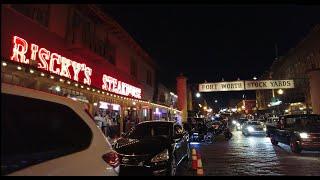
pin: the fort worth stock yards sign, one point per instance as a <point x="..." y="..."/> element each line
<point x="246" y="85"/>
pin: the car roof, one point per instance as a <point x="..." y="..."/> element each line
<point x="301" y="115"/>
<point x="158" y="121"/>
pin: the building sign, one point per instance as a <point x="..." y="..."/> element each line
<point x="246" y="85"/>
<point x="55" y="63"/>
<point x="222" y="86"/>
<point x="269" y="84"/>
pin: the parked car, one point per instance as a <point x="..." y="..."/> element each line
<point x="301" y="132"/>
<point x="153" y="148"/>
<point x="271" y="124"/>
<point x="48" y="135"/>
<point x="253" y="128"/>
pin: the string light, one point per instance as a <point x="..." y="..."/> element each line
<point x="103" y="92"/>
<point x="68" y="82"/>
<point x="31" y="71"/>
<point x="81" y="86"/>
<point x="42" y="74"/>
<point x="88" y="88"/>
<point x="76" y="85"/>
<point x="4" y="64"/>
<point x="52" y="77"/>
<point x="19" y="68"/>
<point x="61" y="80"/>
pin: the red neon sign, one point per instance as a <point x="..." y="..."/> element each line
<point x="57" y="64"/>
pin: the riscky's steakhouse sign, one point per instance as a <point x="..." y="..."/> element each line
<point x="62" y="66"/>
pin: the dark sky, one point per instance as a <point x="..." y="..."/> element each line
<point x="211" y="42"/>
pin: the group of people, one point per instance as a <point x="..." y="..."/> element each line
<point x="106" y="123"/>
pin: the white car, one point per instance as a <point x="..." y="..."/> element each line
<point x="48" y="135"/>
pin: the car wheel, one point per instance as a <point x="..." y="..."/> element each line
<point x="173" y="166"/>
<point x="294" y="146"/>
<point x="273" y="141"/>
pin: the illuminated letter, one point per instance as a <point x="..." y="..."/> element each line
<point x="20" y="49"/>
<point x="34" y="50"/>
<point x="87" y="74"/>
<point x="57" y="57"/>
<point x="44" y="56"/>
<point x="104" y="80"/>
<point x="77" y="67"/>
<point x="65" y="63"/>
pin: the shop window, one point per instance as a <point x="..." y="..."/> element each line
<point x="39" y="12"/>
<point x="149" y="78"/>
<point x="134" y="68"/>
<point x="34" y="131"/>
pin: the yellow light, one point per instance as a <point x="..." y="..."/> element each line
<point x="205" y="107"/>
<point x="52" y="77"/>
<point x="81" y="86"/>
<point x="98" y="91"/>
<point x="19" y="68"/>
<point x="88" y="88"/>
<point x="31" y="71"/>
<point x="4" y="64"/>
<point x="76" y="85"/>
<point x="93" y="90"/>
<point x="61" y="80"/>
<point x="68" y="82"/>
<point x="42" y="74"/>
<point x="103" y="92"/>
<point x="280" y="91"/>
<point x="107" y="94"/>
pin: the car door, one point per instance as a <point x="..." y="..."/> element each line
<point x="279" y="131"/>
<point x="179" y="145"/>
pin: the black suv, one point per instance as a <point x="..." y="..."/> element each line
<point x="153" y="148"/>
<point x="301" y="132"/>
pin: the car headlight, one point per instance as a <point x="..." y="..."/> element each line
<point x="304" y="135"/>
<point x="163" y="156"/>
<point x="234" y="122"/>
<point x="250" y="129"/>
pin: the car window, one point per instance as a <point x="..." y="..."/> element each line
<point x="34" y="131"/>
<point x="145" y="130"/>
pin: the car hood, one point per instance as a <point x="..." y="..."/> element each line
<point x="149" y="145"/>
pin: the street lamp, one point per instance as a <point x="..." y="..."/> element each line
<point x="216" y="101"/>
<point x="198" y="95"/>
<point x="280" y="91"/>
<point x="255" y="78"/>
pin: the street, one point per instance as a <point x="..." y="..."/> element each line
<point x="252" y="156"/>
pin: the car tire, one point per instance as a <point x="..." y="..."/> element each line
<point x="273" y="141"/>
<point x="172" y="169"/>
<point x="294" y="146"/>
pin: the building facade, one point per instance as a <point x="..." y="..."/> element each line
<point x="78" y="51"/>
<point x="294" y="65"/>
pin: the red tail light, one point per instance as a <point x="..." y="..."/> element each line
<point x="111" y="158"/>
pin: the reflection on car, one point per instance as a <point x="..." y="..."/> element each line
<point x="301" y="132"/>
<point x="153" y="148"/>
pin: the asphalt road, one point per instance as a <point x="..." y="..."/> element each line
<point x="252" y="156"/>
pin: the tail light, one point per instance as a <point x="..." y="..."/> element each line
<point x="111" y="158"/>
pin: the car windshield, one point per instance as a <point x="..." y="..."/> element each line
<point x="254" y="123"/>
<point x="242" y="120"/>
<point x="144" y="130"/>
<point x="308" y="122"/>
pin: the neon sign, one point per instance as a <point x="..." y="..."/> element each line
<point x="62" y="66"/>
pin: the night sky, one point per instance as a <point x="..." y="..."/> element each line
<point x="211" y="42"/>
